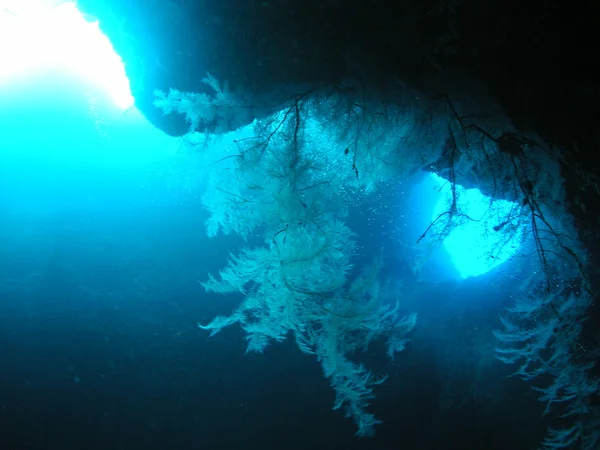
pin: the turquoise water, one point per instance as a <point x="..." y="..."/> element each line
<point x="102" y="245"/>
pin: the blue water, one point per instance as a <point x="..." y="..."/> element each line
<point x="102" y="244"/>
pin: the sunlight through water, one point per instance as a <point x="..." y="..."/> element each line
<point x="38" y="36"/>
<point x="476" y="246"/>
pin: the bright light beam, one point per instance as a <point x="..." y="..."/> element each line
<point x="38" y="36"/>
<point x="488" y="240"/>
